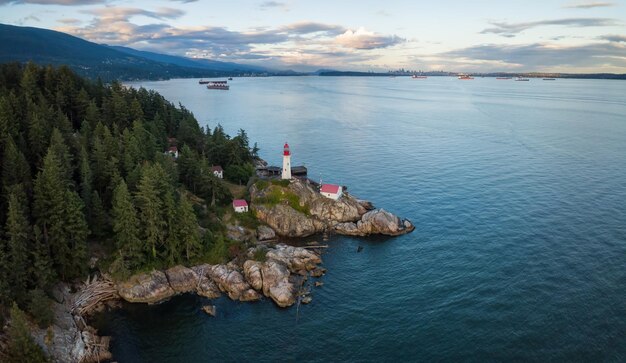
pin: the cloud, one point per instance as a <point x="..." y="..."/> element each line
<point x="70" y="21"/>
<point x="53" y="2"/>
<point x="268" y="5"/>
<point x="309" y="27"/>
<point x="123" y="14"/>
<point x="614" y="38"/>
<point x="540" y="56"/>
<point x="511" y="29"/>
<point x="363" y="39"/>
<point x="589" y="5"/>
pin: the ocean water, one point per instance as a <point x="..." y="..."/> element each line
<point x="518" y="193"/>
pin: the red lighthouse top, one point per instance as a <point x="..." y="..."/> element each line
<point x="286" y="150"/>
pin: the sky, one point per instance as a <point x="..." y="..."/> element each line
<point x="578" y="36"/>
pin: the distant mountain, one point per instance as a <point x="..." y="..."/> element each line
<point x="43" y="46"/>
<point x="191" y="62"/>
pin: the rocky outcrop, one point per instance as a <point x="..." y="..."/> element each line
<point x="182" y="279"/>
<point x="146" y="288"/>
<point x="249" y="282"/>
<point x="265" y="233"/>
<point x="315" y="213"/>
<point x="378" y="221"/>
<point x="252" y="271"/>
<point x="276" y="283"/>
<point x="288" y="222"/>
<point x="295" y="258"/>
<point x="228" y="280"/>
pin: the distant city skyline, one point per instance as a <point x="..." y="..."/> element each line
<point x="484" y="35"/>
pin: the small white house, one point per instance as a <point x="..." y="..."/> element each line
<point x="331" y="191"/>
<point x="172" y="151"/>
<point x="240" y="206"/>
<point x="218" y="171"/>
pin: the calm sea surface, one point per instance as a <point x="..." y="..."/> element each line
<point x="518" y="192"/>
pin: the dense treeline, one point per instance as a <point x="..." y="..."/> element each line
<point x="84" y="168"/>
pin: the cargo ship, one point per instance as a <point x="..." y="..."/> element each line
<point x="218" y="85"/>
<point x="522" y="79"/>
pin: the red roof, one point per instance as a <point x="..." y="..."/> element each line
<point x="216" y="168"/>
<point x="239" y="203"/>
<point x="330" y="188"/>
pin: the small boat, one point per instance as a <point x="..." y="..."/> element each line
<point x="549" y="79"/>
<point x="465" y="77"/>
<point x="415" y="76"/>
<point x="522" y="79"/>
<point x="203" y="81"/>
<point x="230" y="78"/>
<point x="218" y="85"/>
<point x="502" y="78"/>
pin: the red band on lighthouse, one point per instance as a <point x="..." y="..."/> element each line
<point x="286" y="149"/>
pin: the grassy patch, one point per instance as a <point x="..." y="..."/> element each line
<point x="247" y="220"/>
<point x="277" y="195"/>
<point x="260" y="255"/>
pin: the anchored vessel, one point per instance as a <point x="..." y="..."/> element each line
<point x="218" y="85"/>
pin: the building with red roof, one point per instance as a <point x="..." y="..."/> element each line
<point x="331" y="191"/>
<point x="172" y="151"/>
<point x="240" y="206"/>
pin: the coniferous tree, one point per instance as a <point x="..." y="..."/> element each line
<point x="187" y="228"/>
<point x="18" y="231"/>
<point x="21" y="346"/>
<point x="150" y="211"/>
<point x="43" y="274"/>
<point x="15" y="168"/>
<point x="126" y="225"/>
<point x="63" y="155"/>
<point x="86" y="180"/>
<point x="75" y="233"/>
<point x="99" y="218"/>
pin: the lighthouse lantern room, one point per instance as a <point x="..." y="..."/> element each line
<point x="286" y="162"/>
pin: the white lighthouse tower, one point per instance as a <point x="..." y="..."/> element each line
<point x="286" y="162"/>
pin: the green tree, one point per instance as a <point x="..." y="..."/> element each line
<point x="150" y="210"/>
<point x="126" y="225"/>
<point x="187" y="228"/>
<point x="18" y="231"/>
<point x="40" y="308"/>
<point x="21" y="346"/>
<point x="99" y="219"/>
<point x="15" y="168"/>
<point x="75" y="232"/>
<point x="43" y="274"/>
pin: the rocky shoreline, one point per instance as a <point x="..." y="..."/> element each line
<point x="278" y="272"/>
<point x="303" y="211"/>
<point x="244" y="279"/>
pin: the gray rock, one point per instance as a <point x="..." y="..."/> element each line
<point x="146" y="288"/>
<point x="229" y="280"/>
<point x="209" y="309"/>
<point x="252" y="271"/>
<point x="377" y="221"/>
<point x="182" y="279"/>
<point x="265" y="233"/>
<point x="276" y="283"/>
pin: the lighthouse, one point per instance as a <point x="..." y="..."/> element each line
<point x="286" y="162"/>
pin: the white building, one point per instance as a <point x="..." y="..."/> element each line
<point x="286" y="162"/>
<point x="331" y="191"/>
<point x="240" y="206"/>
<point x="218" y="171"/>
<point x="172" y="151"/>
